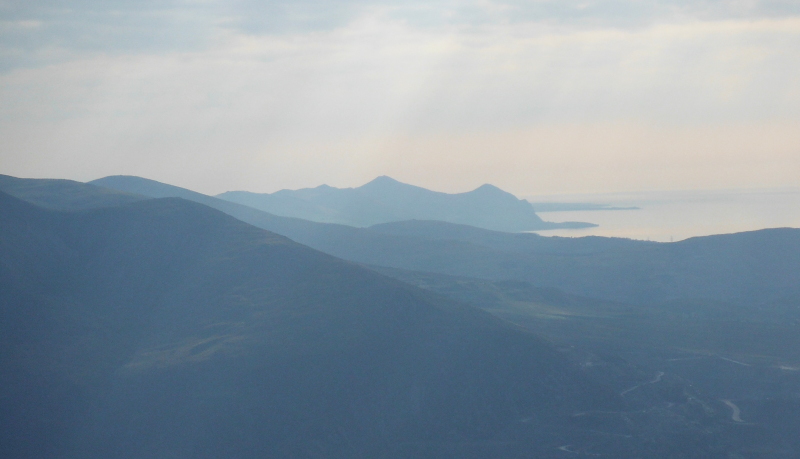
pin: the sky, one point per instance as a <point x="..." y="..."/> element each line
<point x="538" y="97"/>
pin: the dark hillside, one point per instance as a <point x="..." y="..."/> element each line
<point x="165" y="328"/>
<point x="65" y="194"/>
<point x="744" y="355"/>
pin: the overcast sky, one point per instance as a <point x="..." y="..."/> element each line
<point x="537" y="97"/>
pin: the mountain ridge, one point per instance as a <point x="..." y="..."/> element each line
<point x="385" y="199"/>
<point x="65" y="194"/>
<point x="610" y="269"/>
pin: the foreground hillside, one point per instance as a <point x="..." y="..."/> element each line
<point x="744" y="356"/>
<point x="164" y="328"/>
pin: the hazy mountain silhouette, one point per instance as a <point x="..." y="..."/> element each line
<point x="753" y="267"/>
<point x="387" y="200"/>
<point x="65" y="194"/>
<point x="164" y="327"/>
<point x="383" y="240"/>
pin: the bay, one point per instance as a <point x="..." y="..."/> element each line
<point x="666" y="216"/>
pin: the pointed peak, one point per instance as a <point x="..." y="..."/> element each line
<point x="382" y="179"/>
<point x="383" y="182"/>
<point x="489" y="191"/>
<point x="488" y="187"/>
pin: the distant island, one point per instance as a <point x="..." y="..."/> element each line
<point x="576" y="206"/>
<point x="385" y="200"/>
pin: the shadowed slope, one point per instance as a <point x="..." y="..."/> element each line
<point x="65" y="194"/>
<point x="167" y="328"/>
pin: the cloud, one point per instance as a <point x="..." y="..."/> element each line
<point x="46" y="31"/>
<point x="287" y="102"/>
<point x="269" y="95"/>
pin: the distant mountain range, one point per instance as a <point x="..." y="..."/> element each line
<point x="65" y="194"/>
<point x="753" y="267"/>
<point x="387" y="200"/>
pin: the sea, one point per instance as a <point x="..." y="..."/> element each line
<point x="667" y="216"/>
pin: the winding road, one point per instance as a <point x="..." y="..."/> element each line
<point x="734" y="361"/>
<point x="736" y="415"/>
<point x="655" y="380"/>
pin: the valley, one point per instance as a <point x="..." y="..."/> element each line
<point x="494" y="229"/>
<point x="145" y="300"/>
<point x="747" y="364"/>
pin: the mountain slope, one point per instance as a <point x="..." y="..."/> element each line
<point x="386" y="200"/>
<point x="165" y="328"/>
<point x="754" y="268"/>
<point x="737" y="353"/>
<point x="507" y="242"/>
<point x="65" y="194"/>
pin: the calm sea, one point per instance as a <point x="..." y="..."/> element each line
<point x="675" y="215"/>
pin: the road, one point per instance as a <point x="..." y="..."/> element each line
<point x="736" y="415"/>
<point x="655" y="380"/>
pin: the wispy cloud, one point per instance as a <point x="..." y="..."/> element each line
<point x="179" y="25"/>
<point x="206" y="89"/>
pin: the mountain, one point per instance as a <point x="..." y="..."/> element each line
<point x="721" y="311"/>
<point x="65" y="194"/>
<point x="164" y="328"/>
<point x="755" y="267"/>
<point x="387" y="200"/>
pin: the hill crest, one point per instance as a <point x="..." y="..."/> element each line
<point x="385" y="200"/>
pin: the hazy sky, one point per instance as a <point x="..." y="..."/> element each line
<point x="537" y="97"/>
